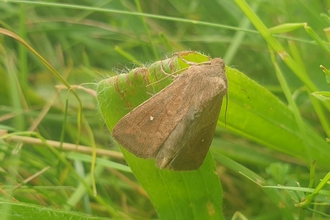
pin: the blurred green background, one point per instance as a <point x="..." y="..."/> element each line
<point x="88" y="41"/>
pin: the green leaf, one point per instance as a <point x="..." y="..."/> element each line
<point x="175" y="195"/>
<point x="255" y="113"/>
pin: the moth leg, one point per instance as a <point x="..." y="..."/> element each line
<point x="165" y="73"/>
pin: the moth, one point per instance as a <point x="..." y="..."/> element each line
<point x="176" y="126"/>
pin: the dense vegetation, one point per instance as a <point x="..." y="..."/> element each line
<point x="276" y="124"/>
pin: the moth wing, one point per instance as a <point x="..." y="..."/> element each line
<point x="189" y="151"/>
<point x="194" y="149"/>
<point x="189" y="142"/>
<point x="144" y="130"/>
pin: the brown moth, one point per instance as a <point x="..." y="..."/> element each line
<point x="176" y="125"/>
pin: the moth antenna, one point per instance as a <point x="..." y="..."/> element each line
<point x="168" y="74"/>
<point x="188" y="62"/>
<point x="165" y="73"/>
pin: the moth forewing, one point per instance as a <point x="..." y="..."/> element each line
<point x="142" y="136"/>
